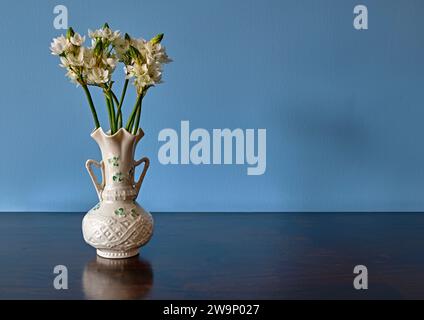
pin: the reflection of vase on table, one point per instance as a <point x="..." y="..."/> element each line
<point x="107" y="279"/>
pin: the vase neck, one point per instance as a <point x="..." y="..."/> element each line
<point x="118" y="164"/>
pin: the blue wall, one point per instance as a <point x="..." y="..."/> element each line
<point x="343" y="108"/>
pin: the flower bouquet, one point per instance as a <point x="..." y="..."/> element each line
<point x="93" y="66"/>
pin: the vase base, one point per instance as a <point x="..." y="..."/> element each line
<point x="113" y="254"/>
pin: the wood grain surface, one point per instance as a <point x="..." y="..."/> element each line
<point x="220" y="256"/>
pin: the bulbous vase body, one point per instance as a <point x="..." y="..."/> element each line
<point x="117" y="226"/>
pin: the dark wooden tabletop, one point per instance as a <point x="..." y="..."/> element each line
<point x="220" y="256"/>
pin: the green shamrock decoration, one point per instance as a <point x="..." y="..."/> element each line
<point x="120" y="212"/>
<point x="114" y="161"/>
<point x="118" y="177"/>
<point x="134" y="213"/>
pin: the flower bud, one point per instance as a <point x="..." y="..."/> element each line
<point x="127" y="37"/>
<point x="134" y="53"/>
<point x="98" y="49"/>
<point x="70" y="33"/>
<point x="157" y="39"/>
<point x="106" y="26"/>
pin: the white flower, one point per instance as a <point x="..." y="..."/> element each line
<point x="144" y="75"/>
<point x="106" y="34"/>
<point x="95" y="34"/>
<point x="76" y="58"/>
<point x="146" y="68"/>
<point x="59" y="45"/>
<point x="111" y="62"/>
<point x="72" y="76"/>
<point x="98" y="76"/>
<point x="139" y="44"/>
<point x="73" y="59"/>
<point x="89" y="58"/>
<point x="64" y="62"/>
<point x="156" y="52"/>
<point x="77" y="40"/>
<point x="121" y="46"/>
<point x="127" y="71"/>
<point x="160" y="54"/>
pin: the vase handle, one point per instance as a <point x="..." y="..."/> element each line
<point x="99" y="186"/>
<point x="146" y="162"/>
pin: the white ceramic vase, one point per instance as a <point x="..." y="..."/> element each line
<point x="117" y="226"/>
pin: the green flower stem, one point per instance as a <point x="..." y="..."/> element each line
<point x="137" y="117"/>
<point x="110" y="113"/>
<point x="113" y="110"/>
<point x="133" y="113"/>
<point x="121" y="101"/>
<point x="113" y="96"/>
<point x="92" y="108"/>
<point x="115" y="101"/>
<point x="131" y="123"/>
